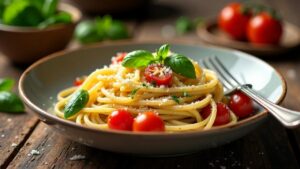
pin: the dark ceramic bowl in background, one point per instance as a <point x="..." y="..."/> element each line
<point x="24" y="45"/>
<point x="108" y="6"/>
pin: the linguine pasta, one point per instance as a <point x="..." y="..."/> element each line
<point x="117" y="87"/>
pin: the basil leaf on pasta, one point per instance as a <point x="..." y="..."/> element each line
<point x="163" y="51"/>
<point x="76" y="103"/>
<point x="181" y="65"/>
<point x="137" y="59"/>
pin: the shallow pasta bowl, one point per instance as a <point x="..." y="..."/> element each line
<point x="41" y="82"/>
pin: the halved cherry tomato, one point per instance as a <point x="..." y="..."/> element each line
<point x="264" y="29"/>
<point x="241" y="104"/>
<point x="79" y="80"/>
<point x="118" y="58"/>
<point x="233" y="21"/>
<point x="223" y="116"/>
<point x="120" y="120"/>
<point x="158" y="74"/>
<point x="148" y="121"/>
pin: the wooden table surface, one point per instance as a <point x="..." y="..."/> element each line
<point x="269" y="146"/>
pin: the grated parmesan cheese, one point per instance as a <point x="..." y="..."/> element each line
<point x="34" y="152"/>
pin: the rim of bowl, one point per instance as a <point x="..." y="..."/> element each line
<point x="56" y="119"/>
<point x="75" y="12"/>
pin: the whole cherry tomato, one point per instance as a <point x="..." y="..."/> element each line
<point x="120" y="120"/>
<point x="148" y="121"/>
<point x="234" y="21"/>
<point x="264" y="29"/>
<point x="158" y="74"/>
<point x="118" y="58"/>
<point x="223" y="115"/>
<point x="241" y="104"/>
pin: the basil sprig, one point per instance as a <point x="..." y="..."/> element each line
<point x="76" y="103"/>
<point x="178" y="63"/>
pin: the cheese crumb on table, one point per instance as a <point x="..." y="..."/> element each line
<point x="77" y="157"/>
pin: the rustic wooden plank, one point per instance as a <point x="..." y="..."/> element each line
<point x="259" y="149"/>
<point x="14" y="128"/>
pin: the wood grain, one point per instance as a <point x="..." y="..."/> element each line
<point x="14" y="128"/>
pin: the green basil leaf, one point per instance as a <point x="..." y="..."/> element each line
<point x="6" y="84"/>
<point x="10" y="102"/>
<point x="181" y="65"/>
<point x="61" y="17"/>
<point x="163" y="51"/>
<point x="49" y="7"/>
<point x="137" y="59"/>
<point x="86" y="32"/>
<point x="117" y="30"/>
<point x="183" y="25"/>
<point x="22" y="13"/>
<point x="77" y="102"/>
<point x="133" y="92"/>
<point x="176" y="99"/>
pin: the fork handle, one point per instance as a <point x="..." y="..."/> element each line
<point x="288" y="118"/>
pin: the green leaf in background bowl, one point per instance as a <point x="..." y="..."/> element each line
<point x="49" y="7"/>
<point x="61" y="17"/>
<point x="10" y="102"/>
<point x="22" y="13"/>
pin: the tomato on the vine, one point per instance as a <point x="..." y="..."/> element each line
<point x="148" y="121"/>
<point x="118" y="58"/>
<point x="241" y="105"/>
<point x="234" y="21"/>
<point x="120" y="120"/>
<point x="158" y="74"/>
<point x="223" y="115"/>
<point x="265" y="29"/>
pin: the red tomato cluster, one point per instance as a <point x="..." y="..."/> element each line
<point x="123" y="120"/>
<point x="260" y="28"/>
<point x="240" y="104"/>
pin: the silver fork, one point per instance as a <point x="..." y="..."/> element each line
<point x="288" y="118"/>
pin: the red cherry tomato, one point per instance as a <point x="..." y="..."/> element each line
<point x="79" y="80"/>
<point x="158" y="74"/>
<point x="118" y="58"/>
<point x="148" y="121"/>
<point x="233" y="21"/>
<point x="264" y="29"/>
<point x="241" y="104"/>
<point x="223" y="116"/>
<point x="120" y="120"/>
